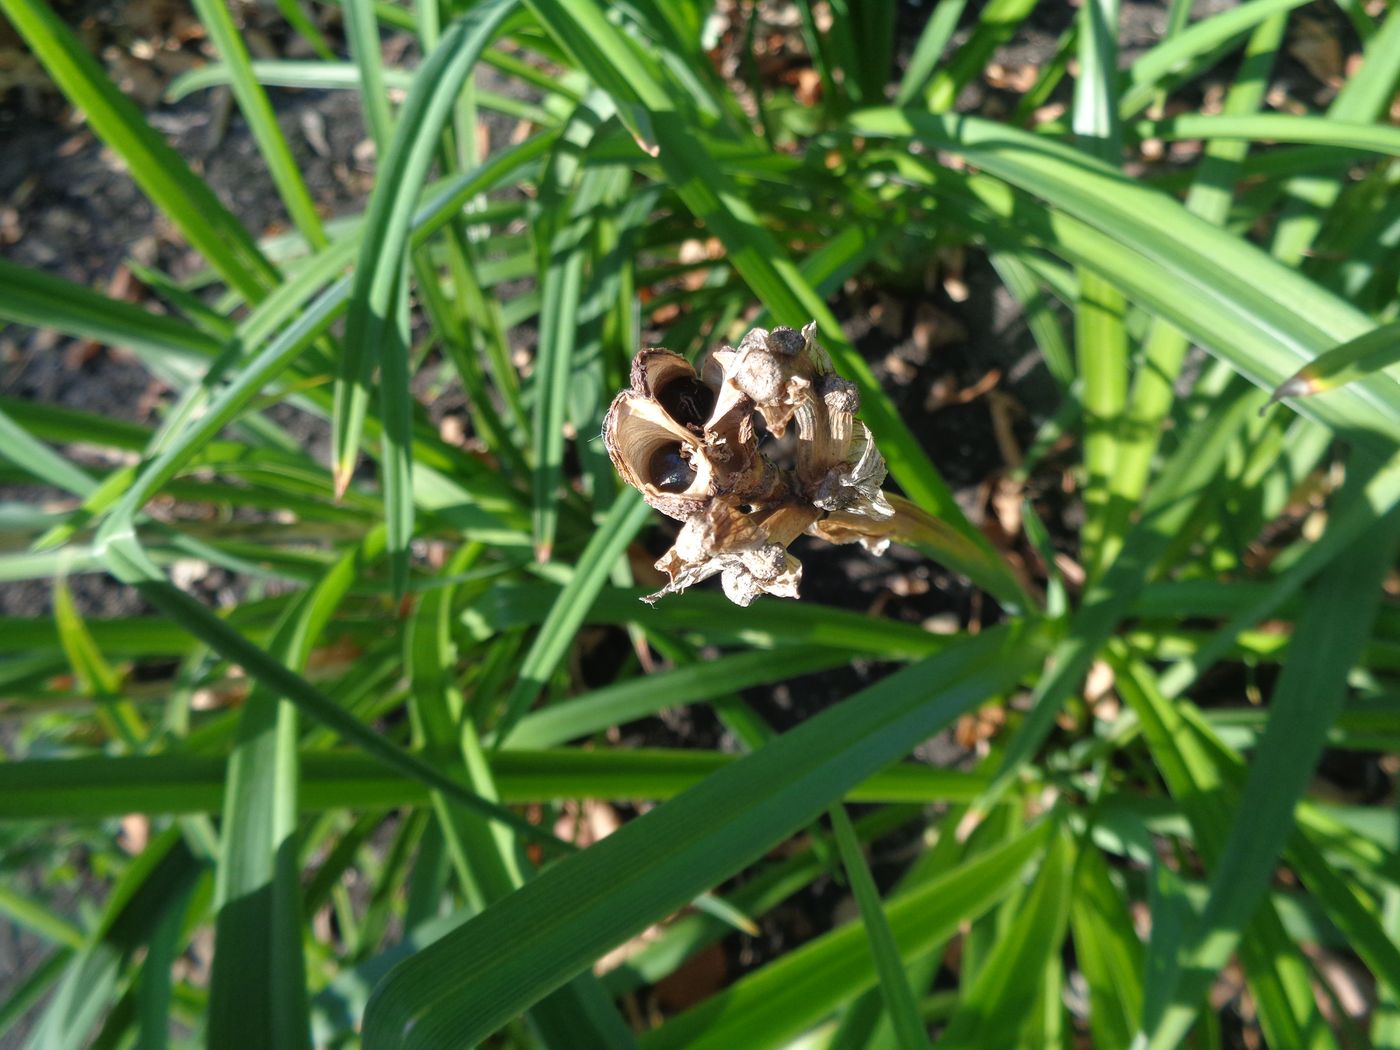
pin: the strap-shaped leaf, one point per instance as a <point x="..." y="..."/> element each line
<point x="1263" y="318"/>
<point x="995" y="1008"/>
<point x="258" y="981"/>
<point x="577" y="195"/>
<point x="1164" y="347"/>
<point x="129" y="563"/>
<point x="898" y="995"/>
<point x="772" y="1006"/>
<point x="1100" y="336"/>
<point x="372" y="335"/>
<point x="1332" y="629"/>
<point x="631" y="699"/>
<point x="1274" y="127"/>
<point x="257" y="110"/>
<point x="472" y="981"/>
<point x="90" y="788"/>
<point x="1273" y="963"/>
<point x="1205" y="40"/>
<point x="1368" y="353"/>
<point x="1107" y="948"/>
<point x="627" y="514"/>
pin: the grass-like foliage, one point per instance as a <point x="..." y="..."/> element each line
<point x="355" y="783"/>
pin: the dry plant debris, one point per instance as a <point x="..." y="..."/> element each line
<point x="688" y="442"/>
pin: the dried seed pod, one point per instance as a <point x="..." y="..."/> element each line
<point x="773" y="371"/>
<point x="687" y="441"/>
<point x="669" y="437"/>
<point x="726" y="542"/>
<point x="657" y="456"/>
<point x="669" y="380"/>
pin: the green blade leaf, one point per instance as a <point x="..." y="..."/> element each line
<point x="762" y="625"/>
<point x="1100" y="337"/>
<point x="95" y="676"/>
<point x="396" y="406"/>
<point x="371" y="332"/>
<point x="94" y="788"/>
<point x="928" y="52"/>
<point x="39" y="919"/>
<point x="1107" y="948"/>
<point x="257" y="111"/>
<point x="576" y="197"/>
<point x="627" y="514"/>
<point x="1360" y="357"/>
<point x="774" y="1005"/>
<point x="330" y="76"/>
<point x="996" y="24"/>
<point x="1334" y="625"/>
<point x="157" y="881"/>
<point x="994" y="1009"/>
<point x="1274" y="127"/>
<point x="1165" y="346"/>
<point x="1363" y="98"/>
<point x="1274" y="966"/>
<point x="1264" y="319"/>
<point x="1037" y="305"/>
<point x="45" y="301"/>
<point x="628" y="700"/>
<point x="894" y="982"/>
<point x="35" y="458"/>
<point x="271" y="362"/>
<point x="1171" y="504"/>
<point x="258" y="982"/>
<point x="1182" y="52"/>
<point x="475" y="979"/>
<point x="362" y="32"/>
<point x="129" y="563"/>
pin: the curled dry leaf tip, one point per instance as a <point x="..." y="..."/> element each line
<point x="687" y="440"/>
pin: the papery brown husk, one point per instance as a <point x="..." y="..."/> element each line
<point x="740" y="511"/>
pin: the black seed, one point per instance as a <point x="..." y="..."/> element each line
<point x="668" y="469"/>
<point x="687" y="400"/>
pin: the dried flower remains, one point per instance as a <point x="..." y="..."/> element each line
<point x="688" y="442"/>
